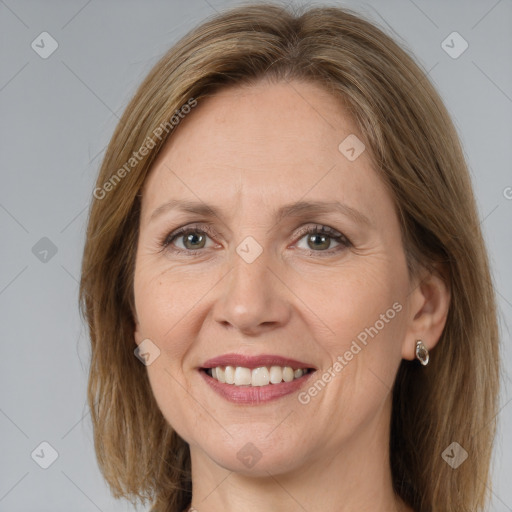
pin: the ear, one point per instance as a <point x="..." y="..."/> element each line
<point x="428" y="303"/>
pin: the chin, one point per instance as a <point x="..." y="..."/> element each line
<point x="256" y="456"/>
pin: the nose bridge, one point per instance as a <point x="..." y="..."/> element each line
<point x="252" y="296"/>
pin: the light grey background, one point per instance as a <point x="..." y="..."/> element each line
<point x="57" y="116"/>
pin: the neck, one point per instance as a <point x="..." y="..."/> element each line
<point x="356" y="478"/>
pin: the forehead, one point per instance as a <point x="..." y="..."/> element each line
<point x="270" y="143"/>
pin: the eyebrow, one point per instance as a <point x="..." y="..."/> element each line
<point x="297" y="209"/>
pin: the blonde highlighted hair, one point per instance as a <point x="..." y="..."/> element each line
<point x="415" y="149"/>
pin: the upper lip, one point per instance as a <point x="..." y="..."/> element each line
<point x="255" y="361"/>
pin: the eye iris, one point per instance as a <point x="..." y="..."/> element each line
<point x="191" y="237"/>
<point x="322" y="237"/>
<point x="195" y="239"/>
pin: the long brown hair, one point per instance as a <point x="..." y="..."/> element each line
<point x="415" y="148"/>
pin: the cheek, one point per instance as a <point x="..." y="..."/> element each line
<point x="362" y="324"/>
<point x="166" y="302"/>
<point x="355" y="300"/>
<point x="170" y="310"/>
<point x="174" y="398"/>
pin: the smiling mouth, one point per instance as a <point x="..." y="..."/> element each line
<point x="256" y="377"/>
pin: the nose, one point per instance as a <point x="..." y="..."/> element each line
<point x="253" y="297"/>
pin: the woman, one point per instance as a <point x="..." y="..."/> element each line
<point x="285" y="281"/>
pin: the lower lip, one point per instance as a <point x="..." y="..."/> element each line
<point x="254" y="395"/>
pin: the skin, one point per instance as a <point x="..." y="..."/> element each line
<point x="248" y="151"/>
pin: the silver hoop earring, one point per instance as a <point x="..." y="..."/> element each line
<point x="421" y="352"/>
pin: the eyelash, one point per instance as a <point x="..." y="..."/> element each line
<point x="206" y="230"/>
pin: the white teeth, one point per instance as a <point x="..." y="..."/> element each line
<point x="276" y="374"/>
<point x="287" y="374"/>
<point x="262" y="376"/>
<point x="242" y="376"/>
<point x="230" y="374"/>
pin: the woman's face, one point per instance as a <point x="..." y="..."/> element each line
<point x="255" y="290"/>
